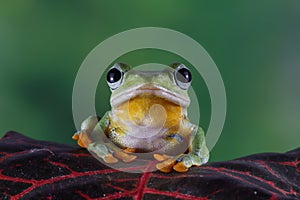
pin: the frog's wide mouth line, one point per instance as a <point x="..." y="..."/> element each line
<point x="149" y="89"/>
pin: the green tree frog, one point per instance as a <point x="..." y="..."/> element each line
<point x="148" y="114"/>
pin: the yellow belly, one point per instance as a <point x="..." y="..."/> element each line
<point x="149" y="110"/>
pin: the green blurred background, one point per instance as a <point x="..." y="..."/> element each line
<point x="255" y="44"/>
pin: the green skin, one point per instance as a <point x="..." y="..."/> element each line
<point x="136" y="83"/>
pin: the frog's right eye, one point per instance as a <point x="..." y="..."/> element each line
<point x="114" y="77"/>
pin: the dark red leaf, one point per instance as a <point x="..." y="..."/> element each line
<point x="31" y="169"/>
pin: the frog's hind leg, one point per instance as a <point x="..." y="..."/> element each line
<point x="197" y="156"/>
<point x="100" y="151"/>
<point x="109" y="153"/>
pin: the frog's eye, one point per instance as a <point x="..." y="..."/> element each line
<point x="114" y="77"/>
<point x="183" y="76"/>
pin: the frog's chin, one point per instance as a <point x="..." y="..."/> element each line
<point x="152" y="90"/>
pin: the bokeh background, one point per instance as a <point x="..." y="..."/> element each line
<point x="255" y="44"/>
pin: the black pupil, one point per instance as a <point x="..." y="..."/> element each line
<point x="184" y="75"/>
<point x="113" y="75"/>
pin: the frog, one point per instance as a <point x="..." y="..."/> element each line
<point x="148" y="115"/>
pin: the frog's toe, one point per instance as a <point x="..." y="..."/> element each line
<point x="167" y="165"/>
<point x="75" y="136"/>
<point x="180" y="167"/>
<point x="129" y="150"/>
<point x="82" y="138"/>
<point x="124" y="156"/>
<point x="129" y="158"/>
<point x="109" y="158"/>
<point x="185" y="161"/>
<point x="160" y="157"/>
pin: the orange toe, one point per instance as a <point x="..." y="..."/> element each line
<point x="83" y="139"/>
<point x="129" y="158"/>
<point x="75" y="136"/>
<point x="166" y="166"/>
<point x="165" y="169"/>
<point x="80" y="143"/>
<point x="124" y="156"/>
<point x="179" y="167"/>
<point x="129" y="150"/>
<point x="160" y="157"/>
<point x="110" y="159"/>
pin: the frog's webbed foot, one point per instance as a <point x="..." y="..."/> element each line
<point x="109" y="155"/>
<point x="82" y="138"/>
<point x="180" y="163"/>
<point x="166" y="162"/>
<point x="100" y="151"/>
<point x="91" y="137"/>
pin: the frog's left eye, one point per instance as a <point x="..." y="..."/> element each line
<point x="183" y="76"/>
<point x="114" y="77"/>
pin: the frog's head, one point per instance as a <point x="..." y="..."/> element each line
<point x="149" y="98"/>
<point x="170" y="84"/>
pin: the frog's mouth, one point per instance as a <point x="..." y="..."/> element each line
<point x="149" y="89"/>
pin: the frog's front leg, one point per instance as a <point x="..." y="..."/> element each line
<point x="198" y="155"/>
<point x="92" y="137"/>
<point x="87" y="127"/>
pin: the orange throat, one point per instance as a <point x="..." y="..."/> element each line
<point x="149" y="110"/>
